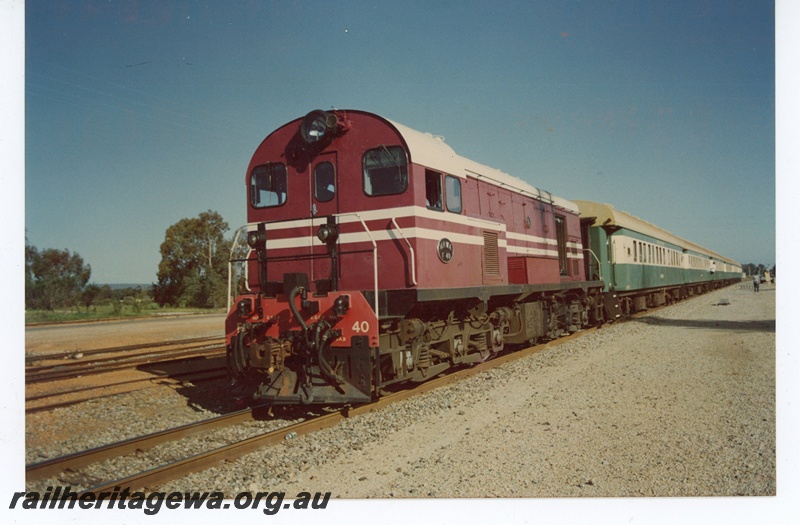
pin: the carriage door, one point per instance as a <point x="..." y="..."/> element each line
<point x="324" y="203"/>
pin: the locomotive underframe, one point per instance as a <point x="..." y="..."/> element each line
<point x="439" y="335"/>
<point x="459" y="327"/>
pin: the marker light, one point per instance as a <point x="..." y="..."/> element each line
<point x="327" y="233"/>
<point x="341" y="305"/>
<point x="244" y="307"/>
<point x="257" y="239"/>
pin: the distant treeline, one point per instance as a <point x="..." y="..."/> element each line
<point x="192" y="273"/>
<point x="59" y="279"/>
<point x="757" y="269"/>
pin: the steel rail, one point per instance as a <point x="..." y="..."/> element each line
<point x="57" y="465"/>
<point x="111" y="364"/>
<point x="82" y="389"/>
<point x="111" y="349"/>
<point x="119" y="355"/>
<point x="37" y="403"/>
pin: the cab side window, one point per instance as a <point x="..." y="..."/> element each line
<point x="433" y="190"/>
<point x="452" y="191"/>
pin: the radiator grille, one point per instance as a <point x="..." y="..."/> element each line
<point x="491" y="255"/>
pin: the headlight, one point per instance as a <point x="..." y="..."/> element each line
<point x="317" y="125"/>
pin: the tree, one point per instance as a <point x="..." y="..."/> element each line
<point x="31" y="255"/>
<point x="753" y="269"/>
<point x="89" y="295"/>
<point x="194" y="258"/>
<point x="54" y="278"/>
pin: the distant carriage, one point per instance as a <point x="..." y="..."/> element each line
<point x="646" y="266"/>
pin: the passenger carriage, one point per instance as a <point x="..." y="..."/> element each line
<point x="644" y="265"/>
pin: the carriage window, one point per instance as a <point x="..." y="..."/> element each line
<point x="433" y="190"/>
<point x="324" y="182"/>
<point x="385" y="171"/>
<point x="268" y="185"/>
<point x="452" y="191"/>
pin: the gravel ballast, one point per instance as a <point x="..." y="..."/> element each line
<point x="680" y="402"/>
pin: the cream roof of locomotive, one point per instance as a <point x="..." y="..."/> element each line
<point x="432" y="152"/>
<point x="607" y="215"/>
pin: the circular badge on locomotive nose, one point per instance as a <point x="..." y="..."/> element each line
<point x="445" y="250"/>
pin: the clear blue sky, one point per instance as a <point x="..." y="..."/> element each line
<point x="139" y="114"/>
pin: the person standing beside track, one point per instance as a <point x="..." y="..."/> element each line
<point x="756" y="282"/>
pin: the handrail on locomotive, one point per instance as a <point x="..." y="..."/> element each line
<point x="247" y="227"/>
<point x="411" y="249"/>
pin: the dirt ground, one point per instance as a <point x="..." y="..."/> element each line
<point x="74" y="337"/>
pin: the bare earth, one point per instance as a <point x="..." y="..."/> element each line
<point x="69" y="337"/>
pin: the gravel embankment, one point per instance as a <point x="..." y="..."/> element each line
<point x="678" y="403"/>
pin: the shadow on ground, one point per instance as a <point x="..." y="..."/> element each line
<point x="736" y="326"/>
<point x="205" y="384"/>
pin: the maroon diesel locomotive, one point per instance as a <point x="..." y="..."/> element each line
<point x="377" y="255"/>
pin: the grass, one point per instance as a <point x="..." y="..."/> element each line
<point x="118" y="310"/>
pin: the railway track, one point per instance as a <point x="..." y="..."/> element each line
<point x="58" y="381"/>
<point x="160" y="474"/>
<point x="77" y="460"/>
<point x="124" y="348"/>
<point x="62" y="398"/>
<point x="118" y="358"/>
